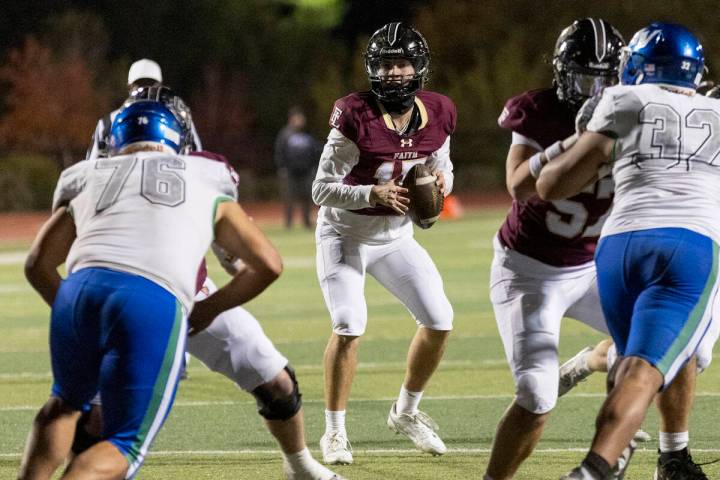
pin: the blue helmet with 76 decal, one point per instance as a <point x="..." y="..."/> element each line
<point x="147" y="125"/>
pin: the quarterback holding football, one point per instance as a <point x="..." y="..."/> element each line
<point x="375" y="138"/>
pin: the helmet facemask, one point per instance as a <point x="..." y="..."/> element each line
<point x="576" y="84"/>
<point x="166" y="96"/>
<point x="394" y="87"/>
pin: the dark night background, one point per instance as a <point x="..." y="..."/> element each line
<point x="241" y="64"/>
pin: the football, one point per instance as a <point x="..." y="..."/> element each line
<point x="426" y="201"/>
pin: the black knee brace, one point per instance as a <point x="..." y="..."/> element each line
<point x="83" y="439"/>
<point x="278" y="408"/>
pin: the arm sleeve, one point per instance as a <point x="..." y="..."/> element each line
<point x="440" y="160"/>
<point x="520" y="139"/>
<point x="70" y="184"/>
<point x="338" y="157"/>
<point x="228" y="184"/>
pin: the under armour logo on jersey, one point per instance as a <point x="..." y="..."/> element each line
<point x="335" y="117"/>
<point x="406" y="142"/>
<point x="645" y="37"/>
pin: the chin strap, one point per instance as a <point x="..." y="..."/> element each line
<point x="398" y="106"/>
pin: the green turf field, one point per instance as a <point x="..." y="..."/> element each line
<point x="214" y="432"/>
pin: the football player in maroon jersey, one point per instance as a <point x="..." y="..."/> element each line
<point x="375" y="138"/>
<point x="543" y="268"/>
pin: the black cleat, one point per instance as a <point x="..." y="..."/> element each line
<point x="678" y="466"/>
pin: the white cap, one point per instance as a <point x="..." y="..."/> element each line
<point x="144" y="68"/>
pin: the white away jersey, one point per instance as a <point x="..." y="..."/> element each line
<point x="666" y="158"/>
<point x="148" y="213"/>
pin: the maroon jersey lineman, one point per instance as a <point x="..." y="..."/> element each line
<point x="202" y="271"/>
<point x="386" y="154"/>
<point x="560" y="233"/>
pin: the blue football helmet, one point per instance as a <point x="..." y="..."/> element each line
<point x="663" y="53"/>
<point x="147" y="121"/>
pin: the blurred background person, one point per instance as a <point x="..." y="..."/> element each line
<point x="296" y="157"/>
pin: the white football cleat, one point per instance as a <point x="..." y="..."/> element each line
<point x="574" y="371"/>
<point x="313" y="471"/>
<point x="419" y="428"/>
<point x="578" y="473"/>
<point x="336" y="448"/>
<point x="642" y="436"/>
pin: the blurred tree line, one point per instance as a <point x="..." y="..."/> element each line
<point x="241" y="64"/>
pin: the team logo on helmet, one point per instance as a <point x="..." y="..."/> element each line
<point x="147" y="122"/>
<point x="664" y="53"/>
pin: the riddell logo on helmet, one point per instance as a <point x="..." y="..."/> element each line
<point x="391" y="51"/>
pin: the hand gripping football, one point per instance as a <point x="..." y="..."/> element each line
<point x="426" y="201"/>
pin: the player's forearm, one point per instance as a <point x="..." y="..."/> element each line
<point x="520" y="184"/>
<point x="440" y="160"/>
<point x="48" y="252"/>
<point x="525" y="164"/>
<point x="573" y="170"/>
<point x="243" y="287"/>
<point x="46" y="283"/>
<point x="338" y="195"/>
<point x="449" y="182"/>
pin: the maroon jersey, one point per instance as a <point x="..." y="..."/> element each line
<point x="202" y="271"/>
<point x="562" y="232"/>
<point x="386" y="154"/>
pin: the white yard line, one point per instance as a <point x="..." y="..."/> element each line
<point x="371" y="451"/>
<point x="218" y="403"/>
<point x="13" y="258"/>
<point x="8" y="288"/>
<point x="308" y="367"/>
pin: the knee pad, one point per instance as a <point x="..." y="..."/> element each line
<point x="272" y="407"/>
<point x="346" y="321"/>
<point x="536" y="396"/>
<point x="83" y="438"/>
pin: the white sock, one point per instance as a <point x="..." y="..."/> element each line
<point x="334" y="421"/>
<point x="673" y="442"/>
<point x="299" y="461"/>
<point x="408" y="401"/>
<point x="487" y="477"/>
